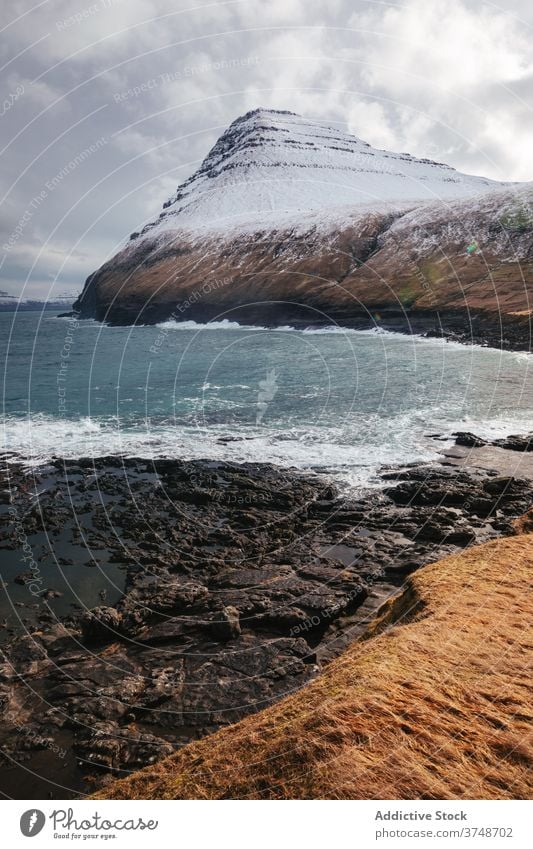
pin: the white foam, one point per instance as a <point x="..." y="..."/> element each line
<point x="340" y="451"/>
<point x="224" y="324"/>
<point x="334" y="329"/>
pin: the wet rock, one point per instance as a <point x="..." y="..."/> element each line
<point x="225" y="625"/>
<point x="500" y="485"/>
<point x="60" y="641"/>
<point x="460" y="537"/>
<point x="516" y="442"/>
<point x="51" y="593"/>
<point x="108" y="746"/>
<point x="168" y="631"/>
<point x="25" y="657"/>
<point x="229" y="599"/>
<point x="282" y="620"/>
<point x="26" y="578"/>
<point x="101" y="625"/>
<point x="175" y="596"/>
<point x="469" y="440"/>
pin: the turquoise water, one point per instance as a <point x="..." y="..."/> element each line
<point x="342" y="402"/>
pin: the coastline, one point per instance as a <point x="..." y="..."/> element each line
<point x="476" y="328"/>
<point x="240" y="583"/>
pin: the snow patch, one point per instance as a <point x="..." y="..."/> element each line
<point x="272" y="168"/>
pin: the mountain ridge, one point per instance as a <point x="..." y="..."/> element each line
<point x="264" y="150"/>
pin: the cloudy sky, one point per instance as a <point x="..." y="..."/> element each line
<point x="135" y="92"/>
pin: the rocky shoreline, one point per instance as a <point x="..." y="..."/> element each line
<point x="185" y="595"/>
<point x="480" y="327"/>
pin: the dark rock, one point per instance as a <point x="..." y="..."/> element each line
<point x="470" y="440"/>
<point x="460" y="537"/>
<point x="168" y="631"/>
<point x="25" y="656"/>
<point x="102" y="624"/>
<point x="282" y="620"/>
<point x="26" y="578"/>
<point x="51" y="593"/>
<point x="108" y="746"/>
<point x="500" y="485"/>
<point x="225" y="625"/>
<point x="228" y="599"/>
<point x="516" y="442"/>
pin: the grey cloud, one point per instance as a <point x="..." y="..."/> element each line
<point x="159" y="82"/>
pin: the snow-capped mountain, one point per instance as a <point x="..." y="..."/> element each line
<point x="269" y="163"/>
<point x="289" y="220"/>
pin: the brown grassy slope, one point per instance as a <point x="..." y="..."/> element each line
<point x="438" y="707"/>
<point x="415" y="261"/>
<point x="321" y="276"/>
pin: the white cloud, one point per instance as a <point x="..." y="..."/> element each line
<point x="444" y="45"/>
<point x="440" y="65"/>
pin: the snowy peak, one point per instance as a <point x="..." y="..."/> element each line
<point x="271" y="163"/>
<point x="271" y="134"/>
<point x="276" y="138"/>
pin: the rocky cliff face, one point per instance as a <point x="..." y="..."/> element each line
<point x="291" y="221"/>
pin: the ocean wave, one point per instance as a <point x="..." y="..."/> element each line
<point x="335" y="329"/>
<point x="224" y="324"/>
<point x="348" y="452"/>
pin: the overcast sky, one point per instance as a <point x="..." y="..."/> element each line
<point x="108" y="105"/>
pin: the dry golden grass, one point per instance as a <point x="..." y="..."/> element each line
<point x="436" y="707"/>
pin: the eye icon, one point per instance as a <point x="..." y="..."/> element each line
<point x="32" y="822"/>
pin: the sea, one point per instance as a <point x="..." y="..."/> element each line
<point x="341" y="402"/>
